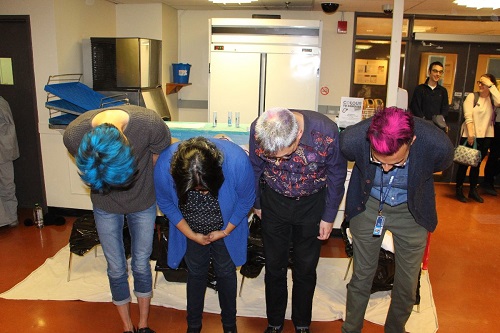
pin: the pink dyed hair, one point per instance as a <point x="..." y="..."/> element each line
<point x="390" y="129"/>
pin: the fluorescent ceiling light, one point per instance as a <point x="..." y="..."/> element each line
<point x="232" y="1"/>
<point x="478" y="3"/>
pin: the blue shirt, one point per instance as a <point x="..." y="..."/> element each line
<point x="398" y="193"/>
<point x="236" y="197"/>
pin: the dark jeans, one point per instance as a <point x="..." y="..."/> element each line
<point x="482" y="144"/>
<point x="492" y="167"/>
<point x="198" y="260"/>
<point x="288" y="222"/>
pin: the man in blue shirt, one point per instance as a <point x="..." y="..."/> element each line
<point x="391" y="188"/>
<point x="299" y="179"/>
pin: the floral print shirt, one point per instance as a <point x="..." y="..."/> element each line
<point x="315" y="164"/>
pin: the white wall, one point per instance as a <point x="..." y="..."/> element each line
<point x="194" y="47"/>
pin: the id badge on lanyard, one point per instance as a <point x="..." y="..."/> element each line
<point x="379" y="222"/>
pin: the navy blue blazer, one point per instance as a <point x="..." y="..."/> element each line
<point x="431" y="152"/>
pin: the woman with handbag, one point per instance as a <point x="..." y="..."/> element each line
<point x="478" y="126"/>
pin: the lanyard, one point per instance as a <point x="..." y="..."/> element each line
<point x="384" y="197"/>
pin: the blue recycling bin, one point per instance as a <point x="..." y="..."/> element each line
<point x="181" y="73"/>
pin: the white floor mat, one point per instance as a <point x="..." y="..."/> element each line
<point x="89" y="283"/>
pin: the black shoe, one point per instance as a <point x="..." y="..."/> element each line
<point x="145" y="330"/>
<point x="193" y="330"/>
<point x="133" y="331"/>
<point x="460" y="194"/>
<point x="271" y="329"/>
<point x="489" y="189"/>
<point x="230" y="329"/>
<point x="302" y="330"/>
<point x="474" y="195"/>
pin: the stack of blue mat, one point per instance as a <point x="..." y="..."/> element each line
<point x="75" y="99"/>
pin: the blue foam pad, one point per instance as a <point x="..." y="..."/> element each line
<point x="64" y="106"/>
<point x="78" y="94"/>
<point x="64" y="119"/>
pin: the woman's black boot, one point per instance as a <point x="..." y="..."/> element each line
<point x="474" y="195"/>
<point x="460" y="193"/>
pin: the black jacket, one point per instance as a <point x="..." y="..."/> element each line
<point x="427" y="102"/>
<point x="431" y="152"/>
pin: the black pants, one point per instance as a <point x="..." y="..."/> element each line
<point x="289" y="222"/>
<point x="492" y="167"/>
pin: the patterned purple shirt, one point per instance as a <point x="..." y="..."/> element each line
<point x="316" y="163"/>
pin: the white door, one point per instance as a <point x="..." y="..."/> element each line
<point x="234" y="86"/>
<point x="292" y="81"/>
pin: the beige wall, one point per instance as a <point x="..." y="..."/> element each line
<point x="75" y="21"/>
<point x="170" y="53"/>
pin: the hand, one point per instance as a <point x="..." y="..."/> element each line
<point x="258" y="212"/>
<point x="216" y="235"/>
<point x="470" y="140"/>
<point x="486" y="81"/>
<point x="201" y="239"/>
<point x="325" y="229"/>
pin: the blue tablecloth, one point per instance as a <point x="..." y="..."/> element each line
<point x="185" y="130"/>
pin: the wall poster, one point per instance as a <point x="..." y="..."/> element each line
<point x="370" y="71"/>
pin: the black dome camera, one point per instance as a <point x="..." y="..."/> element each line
<point x="329" y="7"/>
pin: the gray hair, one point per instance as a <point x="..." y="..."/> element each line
<point x="275" y="130"/>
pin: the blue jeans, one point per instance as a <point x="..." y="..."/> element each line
<point x="110" y="230"/>
<point x="198" y="261"/>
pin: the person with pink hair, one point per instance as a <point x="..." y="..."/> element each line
<point x="391" y="188"/>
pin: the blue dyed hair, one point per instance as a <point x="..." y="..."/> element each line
<point x="105" y="159"/>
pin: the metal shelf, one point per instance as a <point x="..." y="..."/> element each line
<point x="173" y="88"/>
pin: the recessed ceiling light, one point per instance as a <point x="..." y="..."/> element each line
<point x="232" y="1"/>
<point x="478" y="3"/>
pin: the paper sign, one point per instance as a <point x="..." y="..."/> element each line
<point x="351" y="109"/>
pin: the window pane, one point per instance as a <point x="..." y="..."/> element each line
<point x="6" y="71"/>
<point x="457" y="27"/>
<point x="377" y="26"/>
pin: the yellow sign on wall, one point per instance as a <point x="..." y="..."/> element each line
<point x="370" y="71"/>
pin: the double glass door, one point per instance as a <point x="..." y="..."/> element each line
<point x="464" y="64"/>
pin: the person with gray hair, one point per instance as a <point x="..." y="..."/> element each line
<point x="299" y="181"/>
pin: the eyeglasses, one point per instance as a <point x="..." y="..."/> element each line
<point x="479" y="83"/>
<point x="435" y="71"/>
<point x="400" y="164"/>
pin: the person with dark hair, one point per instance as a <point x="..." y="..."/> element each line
<point x="205" y="188"/>
<point x="299" y="178"/>
<point x="429" y="98"/>
<point x="492" y="167"/>
<point x="9" y="151"/>
<point x="479" y="118"/>
<point x="115" y="150"/>
<point x="391" y="188"/>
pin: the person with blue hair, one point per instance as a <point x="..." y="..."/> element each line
<point x="115" y="150"/>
